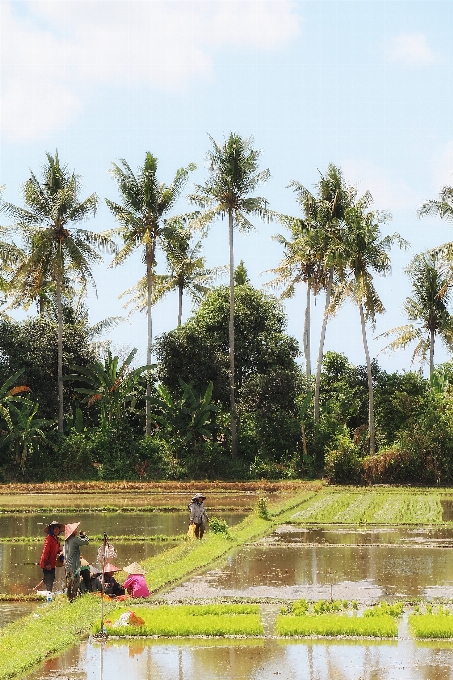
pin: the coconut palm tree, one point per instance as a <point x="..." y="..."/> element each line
<point x="233" y="177"/>
<point x="324" y="212"/>
<point x="426" y="309"/>
<point x="186" y="266"/>
<point x="54" y="247"/>
<point x="300" y="264"/>
<point x="367" y="254"/>
<point x="141" y="215"/>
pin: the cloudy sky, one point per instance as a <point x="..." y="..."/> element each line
<point x="363" y="84"/>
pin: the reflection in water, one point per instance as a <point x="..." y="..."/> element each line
<point x="252" y="660"/>
<point x="114" y="524"/>
<point x="356" y="572"/>
<point x="11" y="611"/>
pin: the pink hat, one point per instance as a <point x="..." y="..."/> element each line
<point x="69" y="529"/>
<point x="110" y="568"/>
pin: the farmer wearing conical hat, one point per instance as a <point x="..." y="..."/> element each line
<point x="198" y="515"/>
<point x="135" y="583"/>
<point x="51" y="553"/>
<point x="72" y="543"/>
<point x="111" y="585"/>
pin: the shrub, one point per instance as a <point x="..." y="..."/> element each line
<point x="343" y="464"/>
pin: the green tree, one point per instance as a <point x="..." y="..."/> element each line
<point x="268" y="379"/>
<point x="426" y="309"/>
<point x="141" y="215"/>
<point x="366" y="253"/>
<point x="233" y="177"/>
<point x="31" y="345"/>
<point x="300" y="264"/>
<point x="112" y="386"/>
<point x="186" y="266"/>
<point x="325" y="212"/>
<point x="53" y="245"/>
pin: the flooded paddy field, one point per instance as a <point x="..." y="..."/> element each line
<point x="113" y="523"/>
<point x="260" y="659"/>
<point x="320" y="564"/>
<point x="123" y="499"/>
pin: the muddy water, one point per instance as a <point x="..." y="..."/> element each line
<point x="252" y="659"/>
<point x="10" y="611"/>
<point x="124" y="500"/>
<point x="383" y="536"/>
<point x="115" y="524"/>
<point x="295" y="570"/>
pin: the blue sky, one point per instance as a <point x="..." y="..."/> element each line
<point x="363" y="84"/>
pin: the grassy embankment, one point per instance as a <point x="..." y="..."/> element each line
<point x="30" y="640"/>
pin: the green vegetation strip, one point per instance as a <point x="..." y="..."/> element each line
<point x="49" y="630"/>
<point x="371" y="507"/>
<point x="433" y="622"/>
<point x="186" y="621"/>
<point x="127" y="538"/>
<point x="320" y="619"/>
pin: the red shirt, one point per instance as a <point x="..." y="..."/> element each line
<point x="50" y="552"/>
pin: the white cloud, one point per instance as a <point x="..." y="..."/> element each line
<point x="388" y="193"/>
<point x="410" y="49"/>
<point x="55" y="51"/>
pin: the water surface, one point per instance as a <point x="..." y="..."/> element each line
<point x="252" y="660"/>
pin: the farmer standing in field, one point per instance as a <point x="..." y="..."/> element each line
<point x="72" y="545"/>
<point x="198" y="516"/>
<point x="51" y="553"/>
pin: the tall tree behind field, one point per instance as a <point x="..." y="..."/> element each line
<point x="233" y="177"/>
<point x="141" y="215"/>
<point x="54" y="246"/>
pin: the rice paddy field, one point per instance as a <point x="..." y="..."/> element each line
<point x="312" y="582"/>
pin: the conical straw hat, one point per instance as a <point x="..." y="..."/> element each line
<point x="69" y="529"/>
<point x="110" y="567"/>
<point x="53" y="524"/>
<point x="134" y="568"/>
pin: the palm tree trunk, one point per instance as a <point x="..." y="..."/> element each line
<point x="231" y="340"/>
<point x="431" y="352"/>
<point x="149" y="256"/>
<point x="321" y="344"/>
<point x="180" y="292"/>
<point x="306" y="338"/>
<point x="370" y="384"/>
<point x="60" y="354"/>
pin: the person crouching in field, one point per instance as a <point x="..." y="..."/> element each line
<point x="72" y="545"/>
<point x="51" y="554"/>
<point x="198" y="515"/>
<point x="135" y="584"/>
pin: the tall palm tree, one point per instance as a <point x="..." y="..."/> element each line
<point x="300" y="264"/>
<point x="367" y="254"/>
<point x="324" y="212"/>
<point x="141" y="213"/>
<point x="186" y="266"/>
<point x="233" y="177"/>
<point x="426" y="309"/>
<point x="54" y="247"/>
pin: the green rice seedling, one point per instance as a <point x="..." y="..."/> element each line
<point x="323" y="509"/>
<point x="384" y="608"/>
<point x="300" y="607"/>
<point x="354" y="604"/>
<point x="362" y="509"/>
<point x="188" y="621"/>
<point x="431" y="625"/>
<point x="262" y="509"/>
<point x="333" y="625"/>
<point x="345" y="604"/>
